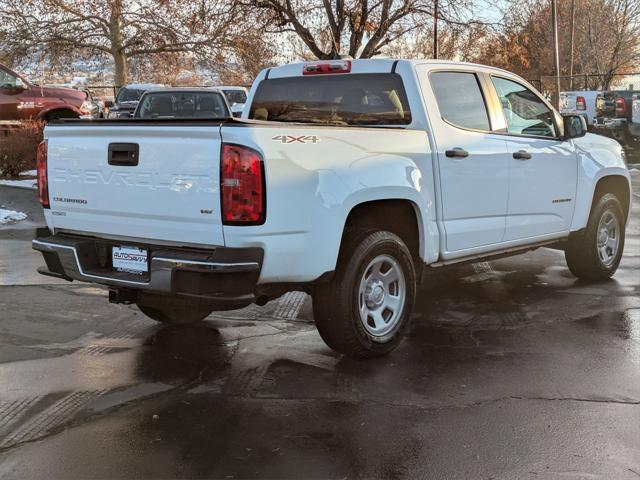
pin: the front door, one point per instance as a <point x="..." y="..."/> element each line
<point x="473" y="162"/>
<point x="8" y="97"/>
<point x="542" y="167"/>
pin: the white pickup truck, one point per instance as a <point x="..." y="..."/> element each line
<point x="347" y="179"/>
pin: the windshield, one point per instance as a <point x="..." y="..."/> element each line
<point x="129" y="95"/>
<point x="235" y="96"/>
<point x="182" y="105"/>
<point x="352" y="99"/>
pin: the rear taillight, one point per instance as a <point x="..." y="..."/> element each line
<point x="621" y="105"/>
<point x="43" y="179"/>
<point x="319" y="68"/>
<point x="242" y="186"/>
<point x="581" y="103"/>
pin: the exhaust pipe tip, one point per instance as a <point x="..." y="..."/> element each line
<point x="262" y="300"/>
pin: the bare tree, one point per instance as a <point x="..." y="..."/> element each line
<point x="120" y="29"/>
<point x="359" y="28"/>
<point x="607" y="40"/>
<point x="455" y="42"/>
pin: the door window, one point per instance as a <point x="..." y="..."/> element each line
<point x="460" y="100"/>
<point x="524" y="112"/>
<point x="7" y="80"/>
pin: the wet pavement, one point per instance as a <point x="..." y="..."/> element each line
<point x="512" y="369"/>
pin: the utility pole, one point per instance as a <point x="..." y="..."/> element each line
<point x="435" y="29"/>
<point x="556" y="56"/>
<point x="572" y="31"/>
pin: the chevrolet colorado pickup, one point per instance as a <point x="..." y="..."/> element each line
<point x="348" y="179"/>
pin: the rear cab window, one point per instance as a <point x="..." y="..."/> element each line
<point x="363" y="99"/>
<point x="182" y="105"/>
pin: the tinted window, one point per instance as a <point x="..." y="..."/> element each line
<point x="343" y="99"/>
<point x="182" y="105"/>
<point x="235" y="96"/>
<point x="7" y="80"/>
<point x="524" y="112"/>
<point x="460" y="99"/>
<point x="129" y="95"/>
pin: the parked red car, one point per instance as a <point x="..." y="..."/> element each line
<point x="22" y="100"/>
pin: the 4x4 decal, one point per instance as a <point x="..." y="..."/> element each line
<point x="296" y="139"/>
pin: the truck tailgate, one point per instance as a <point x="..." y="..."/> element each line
<point x="138" y="181"/>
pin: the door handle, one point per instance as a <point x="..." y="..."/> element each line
<point x="124" y="154"/>
<point x="457" y="153"/>
<point x="522" y="155"/>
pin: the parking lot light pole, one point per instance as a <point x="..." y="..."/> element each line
<point x="571" y="38"/>
<point x="435" y="29"/>
<point x="556" y="59"/>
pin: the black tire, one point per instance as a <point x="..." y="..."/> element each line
<point x="336" y="305"/>
<point x="582" y="255"/>
<point x="172" y="310"/>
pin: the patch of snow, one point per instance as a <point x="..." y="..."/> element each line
<point x="10" y="216"/>
<point x="29" y="173"/>
<point x="30" y="183"/>
<point x="143" y="86"/>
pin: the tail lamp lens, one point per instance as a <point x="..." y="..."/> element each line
<point x="581" y="104"/>
<point x="43" y="179"/>
<point x="242" y="186"/>
<point x="621" y="105"/>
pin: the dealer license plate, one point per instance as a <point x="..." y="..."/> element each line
<point x="130" y="259"/>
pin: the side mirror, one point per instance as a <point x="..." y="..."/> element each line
<point x="575" y="126"/>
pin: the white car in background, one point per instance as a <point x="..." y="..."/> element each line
<point x="581" y="103"/>
<point x="236" y="96"/>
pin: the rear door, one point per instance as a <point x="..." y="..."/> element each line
<point x="542" y="168"/>
<point x="136" y="181"/>
<point x="473" y="161"/>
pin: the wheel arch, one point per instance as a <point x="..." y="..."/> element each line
<point x="615" y="182"/>
<point x="400" y="216"/>
<point x="619" y="186"/>
<point x="66" y="109"/>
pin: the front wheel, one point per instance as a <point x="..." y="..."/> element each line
<point x="365" y="309"/>
<point x="596" y="254"/>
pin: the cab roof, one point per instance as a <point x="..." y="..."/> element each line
<point x="372" y="65"/>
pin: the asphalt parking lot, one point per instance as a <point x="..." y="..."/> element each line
<point x="512" y="369"/>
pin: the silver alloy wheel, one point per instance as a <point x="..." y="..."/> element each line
<point x="382" y="295"/>
<point x="608" y="238"/>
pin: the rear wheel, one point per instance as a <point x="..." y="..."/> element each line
<point x="596" y="254"/>
<point x="173" y="311"/>
<point x="364" y="311"/>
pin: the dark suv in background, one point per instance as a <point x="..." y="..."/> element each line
<point x="127" y="99"/>
<point x="22" y="100"/>
<point x="614" y="118"/>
